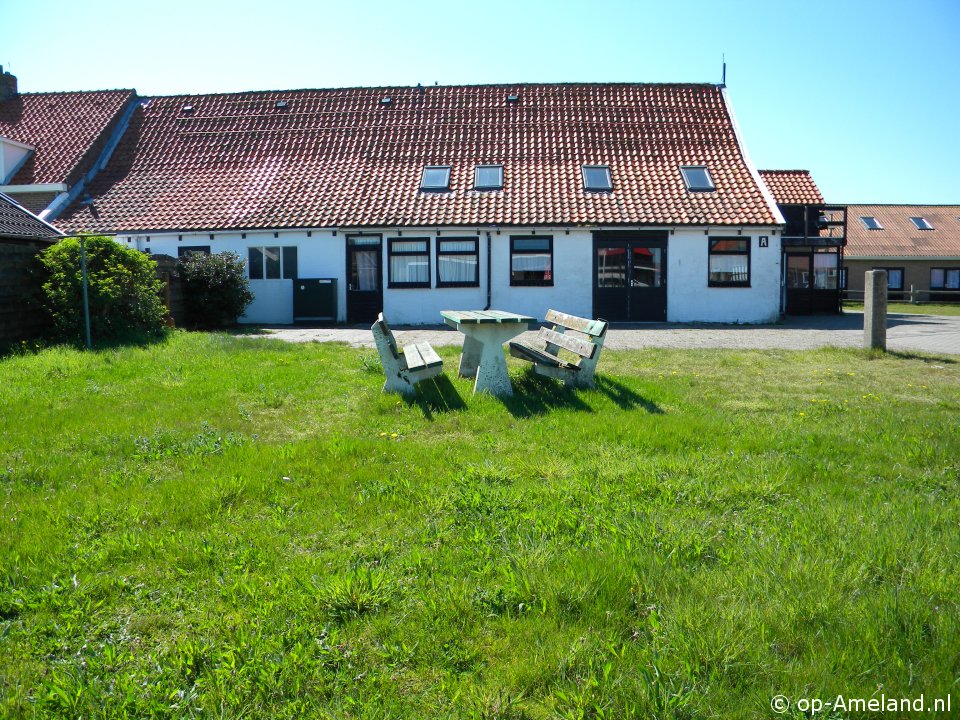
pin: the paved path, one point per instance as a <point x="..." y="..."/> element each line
<point x="934" y="334"/>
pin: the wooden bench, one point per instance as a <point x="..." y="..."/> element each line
<point x="544" y="355"/>
<point x="404" y="370"/>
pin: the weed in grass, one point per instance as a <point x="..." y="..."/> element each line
<point x="354" y="594"/>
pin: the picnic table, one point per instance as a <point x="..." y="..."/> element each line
<point x="484" y="333"/>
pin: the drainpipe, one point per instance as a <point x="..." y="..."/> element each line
<point x="489" y="261"/>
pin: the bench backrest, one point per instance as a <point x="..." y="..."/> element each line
<point x="594" y="328"/>
<point x="383" y="336"/>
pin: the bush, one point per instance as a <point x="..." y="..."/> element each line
<point x="123" y="290"/>
<point x="215" y="288"/>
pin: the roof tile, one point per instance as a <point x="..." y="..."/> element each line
<point x="899" y="236"/>
<point x="792" y="187"/>
<point x="339" y="158"/>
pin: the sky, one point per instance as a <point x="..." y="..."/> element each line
<point x="864" y="94"/>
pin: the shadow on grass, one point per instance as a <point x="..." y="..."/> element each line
<point x="946" y="360"/>
<point x="536" y="395"/>
<point x="37" y="345"/>
<point x="623" y="397"/>
<point x="439" y="396"/>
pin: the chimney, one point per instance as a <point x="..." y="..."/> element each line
<point x="8" y="84"/>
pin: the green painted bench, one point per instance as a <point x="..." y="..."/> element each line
<point x="544" y="352"/>
<point x="404" y="369"/>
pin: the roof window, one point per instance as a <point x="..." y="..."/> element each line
<point x="188" y="108"/>
<point x="597" y="178"/>
<point x="871" y="222"/>
<point x="488" y="177"/>
<point x="281" y="105"/>
<point x="512" y="98"/>
<point x="922" y="223"/>
<point x="436" y="178"/>
<point x="386" y="101"/>
<point x="697" y="178"/>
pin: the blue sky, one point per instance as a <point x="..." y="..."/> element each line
<point x="863" y="94"/>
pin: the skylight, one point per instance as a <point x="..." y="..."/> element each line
<point x="922" y="223"/>
<point x="697" y="178"/>
<point x="871" y="222"/>
<point x="435" y="177"/>
<point x="596" y="177"/>
<point x="488" y="177"/>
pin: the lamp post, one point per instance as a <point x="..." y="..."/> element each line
<point x="86" y="300"/>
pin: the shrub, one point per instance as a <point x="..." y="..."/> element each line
<point x="215" y="288"/>
<point x="123" y="290"/>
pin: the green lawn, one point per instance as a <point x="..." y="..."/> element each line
<point x="225" y="527"/>
<point x="910" y="308"/>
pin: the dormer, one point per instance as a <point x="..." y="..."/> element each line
<point x="13" y="155"/>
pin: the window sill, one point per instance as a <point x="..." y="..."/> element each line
<point x="728" y="285"/>
<point x="408" y="286"/>
<point x="440" y="286"/>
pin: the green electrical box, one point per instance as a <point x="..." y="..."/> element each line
<point x="314" y="299"/>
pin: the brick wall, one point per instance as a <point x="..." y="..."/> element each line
<point x="20" y="319"/>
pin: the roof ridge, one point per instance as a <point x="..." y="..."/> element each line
<point x="76" y="92"/>
<point x="437" y="87"/>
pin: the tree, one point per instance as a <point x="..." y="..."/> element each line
<point x="216" y="290"/>
<point x="124" y="291"/>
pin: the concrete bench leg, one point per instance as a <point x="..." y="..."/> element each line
<point x="470" y="358"/>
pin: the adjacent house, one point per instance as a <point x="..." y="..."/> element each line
<point x="22" y="236"/>
<point x="918" y="246"/>
<point x="632" y="202"/>
<point x="813" y="241"/>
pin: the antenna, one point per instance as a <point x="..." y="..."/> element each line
<point x="723" y="81"/>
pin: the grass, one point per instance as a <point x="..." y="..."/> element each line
<point x="225" y="527"/>
<point x="910" y="308"/>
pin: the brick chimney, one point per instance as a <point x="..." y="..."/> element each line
<point x="8" y="84"/>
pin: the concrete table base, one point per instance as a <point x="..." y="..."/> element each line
<point x="483" y="356"/>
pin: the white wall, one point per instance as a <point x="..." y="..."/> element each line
<point x="322" y="254"/>
<point x="689" y="299"/>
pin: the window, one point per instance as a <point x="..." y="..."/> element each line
<point x="825" y="272"/>
<point x="458" y="262"/>
<point x="488" y="177"/>
<point x="531" y="261"/>
<point x="408" y="264"/>
<point x="272" y="263"/>
<point x="871" y="222"/>
<point x="596" y="178"/>
<point x="729" y="262"/>
<point x="922" y="223"/>
<point x="945" y="278"/>
<point x="697" y="178"/>
<point x="435" y="178"/>
<point x="894" y="277"/>
<point x="192" y="249"/>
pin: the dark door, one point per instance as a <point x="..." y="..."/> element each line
<point x="364" y="278"/>
<point x="314" y="299"/>
<point x="813" y="282"/>
<point x="629" y="276"/>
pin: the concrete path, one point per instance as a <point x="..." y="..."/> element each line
<point x="934" y="334"/>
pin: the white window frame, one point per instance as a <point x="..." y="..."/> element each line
<point x="688" y="179"/>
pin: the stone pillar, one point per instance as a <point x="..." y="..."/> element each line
<point x="875" y="309"/>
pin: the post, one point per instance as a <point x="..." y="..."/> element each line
<point x="86" y="300"/>
<point x="875" y="309"/>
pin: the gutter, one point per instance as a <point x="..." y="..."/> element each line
<point x="62" y="201"/>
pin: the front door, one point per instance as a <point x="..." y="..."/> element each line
<point x="799" y="280"/>
<point x="629" y="276"/>
<point x="364" y="278"/>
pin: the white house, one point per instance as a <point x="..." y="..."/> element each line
<point x="631" y="202"/>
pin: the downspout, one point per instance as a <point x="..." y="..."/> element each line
<point x="489" y="261"/>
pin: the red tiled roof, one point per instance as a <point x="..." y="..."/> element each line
<point x="792" y="187"/>
<point x="18" y="223"/>
<point x="899" y="236"/>
<point x="68" y="130"/>
<point x="341" y="158"/>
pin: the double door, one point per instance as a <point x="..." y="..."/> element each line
<point x="630" y="276"/>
